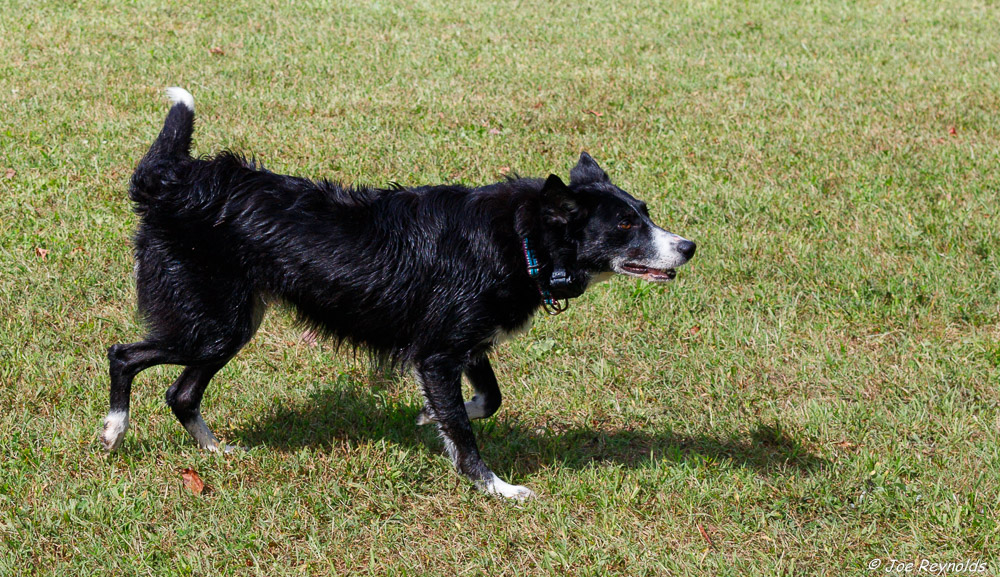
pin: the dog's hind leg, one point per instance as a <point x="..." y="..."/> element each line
<point x="184" y="399"/>
<point x="440" y="378"/>
<point x="219" y="346"/>
<point x="487" y="398"/>
<point x="126" y="361"/>
<point x="203" y="344"/>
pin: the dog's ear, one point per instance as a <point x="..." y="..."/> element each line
<point x="558" y="205"/>
<point x="586" y="171"/>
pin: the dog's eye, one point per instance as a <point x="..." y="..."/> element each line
<point x="624" y="225"/>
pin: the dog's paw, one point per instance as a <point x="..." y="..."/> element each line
<point x="115" y="425"/>
<point x="518" y="493"/>
<point x="497" y="486"/>
<point x="476" y="408"/>
<point x="203" y="435"/>
<point x="473" y="408"/>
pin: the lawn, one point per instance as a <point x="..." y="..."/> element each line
<point x="817" y="391"/>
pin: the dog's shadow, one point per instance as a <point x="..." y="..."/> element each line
<point x="358" y="413"/>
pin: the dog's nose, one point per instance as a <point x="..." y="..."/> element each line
<point x="686" y="248"/>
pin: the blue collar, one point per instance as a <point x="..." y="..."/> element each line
<point x="551" y="305"/>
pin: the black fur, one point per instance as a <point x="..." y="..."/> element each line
<point x="427" y="277"/>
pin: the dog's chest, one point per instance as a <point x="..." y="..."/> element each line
<point x="502" y="335"/>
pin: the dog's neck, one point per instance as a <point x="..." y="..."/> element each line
<point x="551" y="305"/>
<point x="551" y="268"/>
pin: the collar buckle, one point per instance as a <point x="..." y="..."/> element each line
<point x="552" y="306"/>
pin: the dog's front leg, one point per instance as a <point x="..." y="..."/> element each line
<point x="487" y="398"/>
<point x="440" y="378"/>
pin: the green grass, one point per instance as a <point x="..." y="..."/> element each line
<point x="817" y="389"/>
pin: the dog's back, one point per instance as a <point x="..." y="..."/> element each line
<point x="388" y="269"/>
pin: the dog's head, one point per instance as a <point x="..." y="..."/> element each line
<point x="610" y="229"/>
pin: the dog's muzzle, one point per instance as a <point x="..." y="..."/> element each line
<point x="669" y="251"/>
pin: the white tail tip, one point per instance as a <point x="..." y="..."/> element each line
<point x="178" y="95"/>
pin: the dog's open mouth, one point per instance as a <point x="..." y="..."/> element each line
<point x="650" y="274"/>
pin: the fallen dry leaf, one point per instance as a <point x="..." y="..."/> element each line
<point x="707" y="538"/>
<point x="217" y="51"/>
<point x="595" y="113"/>
<point x="10" y="173"/>
<point x="191" y="481"/>
<point x="41" y="253"/>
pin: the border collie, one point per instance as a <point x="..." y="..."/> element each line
<point x="431" y="278"/>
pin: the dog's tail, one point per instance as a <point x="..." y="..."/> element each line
<point x="168" y="151"/>
<point x="175" y="138"/>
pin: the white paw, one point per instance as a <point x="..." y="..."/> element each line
<point x="475" y="408"/>
<point x="115" y="425"/>
<point x="496" y="486"/>
<point x="202" y="434"/>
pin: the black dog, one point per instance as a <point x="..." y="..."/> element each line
<point x="429" y="277"/>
